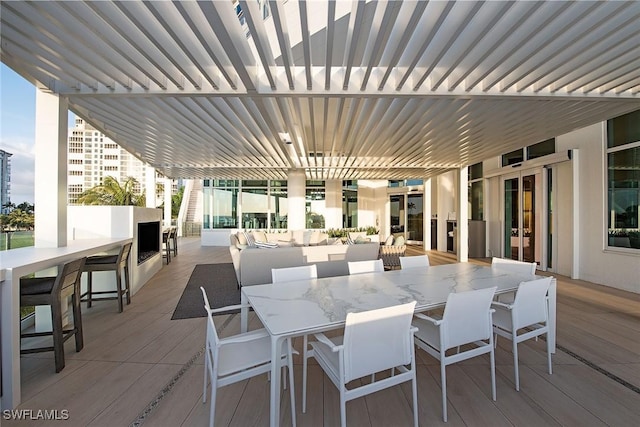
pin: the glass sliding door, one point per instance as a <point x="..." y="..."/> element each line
<point x="415" y="208"/>
<point x="522" y="222"/>
<point x="511" y="219"/>
<point x="397" y="213"/>
<point x="528" y="218"/>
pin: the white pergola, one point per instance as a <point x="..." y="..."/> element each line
<point x="341" y="90"/>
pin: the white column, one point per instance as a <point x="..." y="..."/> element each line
<point x="296" y="183"/>
<point x="50" y="193"/>
<point x="150" y="185"/>
<point x="463" y="215"/>
<point x="575" y="170"/>
<point x="167" y="202"/>
<point x="426" y="215"/>
<point x="333" y="201"/>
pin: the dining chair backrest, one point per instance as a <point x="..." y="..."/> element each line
<point x="530" y="304"/>
<point x="466" y="318"/>
<point x="419" y="261"/>
<point x="279" y="275"/>
<point x="514" y="266"/>
<point x="212" y="334"/>
<point x="377" y="340"/>
<point x="369" y="266"/>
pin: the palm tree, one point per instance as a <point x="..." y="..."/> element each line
<point x="112" y="193"/>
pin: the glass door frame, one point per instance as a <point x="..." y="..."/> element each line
<point x="540" y="206"/>
<point x="405" y="220"/>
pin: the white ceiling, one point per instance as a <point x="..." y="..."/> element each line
<point x="366" y="90"/>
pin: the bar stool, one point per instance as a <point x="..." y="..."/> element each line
<point x="166" y="244"/>
<point x="173" y="235"/>
<point x="52" y="291"/>
<point x="109" y="263"/>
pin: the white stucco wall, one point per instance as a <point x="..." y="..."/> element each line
<point x="612" y="267"/>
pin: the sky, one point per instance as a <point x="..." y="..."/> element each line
<point x="17" y="131"/>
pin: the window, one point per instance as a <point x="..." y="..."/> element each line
<point x="513" y="157"/>
<point x="623" y="180"/>
<point x="255" y="207"/>
<point x="279" y="205"/>
<point x="541" y="149"/>
<point x="315" y="204"/>
<point x="264" y="204"/>
<point x="476" y="192"/>
<point x="349" y="204"/>
<point x="220" y="204"/>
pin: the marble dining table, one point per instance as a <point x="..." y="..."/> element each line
<point x="309" y="306"/>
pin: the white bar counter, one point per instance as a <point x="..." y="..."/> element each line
<point x="14" y="264"/>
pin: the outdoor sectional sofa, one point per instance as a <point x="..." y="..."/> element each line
<point x="253" y="265"/>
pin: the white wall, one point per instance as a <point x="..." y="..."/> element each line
<point x="611" y="267"/>
<point x="446" y="205"/>
<point x="86" y="222"/>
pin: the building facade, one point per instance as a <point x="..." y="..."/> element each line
<point x="91" y="156"/>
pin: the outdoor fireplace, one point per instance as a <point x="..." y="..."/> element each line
<point x="148" y="240"/>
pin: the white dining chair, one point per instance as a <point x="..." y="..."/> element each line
<point x="288" y="274"/>
<point x="369" y="266"/>
<point x="419" y="261"/>
<point x="373" y="341"/>
<point x="239" y="357"/>
<point x="513" y="265"/>
<point x="529" y="314"/>
<point x="466" y="320"/>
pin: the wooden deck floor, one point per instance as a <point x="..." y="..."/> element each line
<point x="142" y="368"/>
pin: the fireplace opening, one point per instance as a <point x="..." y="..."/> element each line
<point x="148" y="240"/>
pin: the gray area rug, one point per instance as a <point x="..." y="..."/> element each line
<point x="219" y="280"/>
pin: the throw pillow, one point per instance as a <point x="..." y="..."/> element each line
<point x="266" y="245"/>
<point x="389" y="240"/>
<point x="249" y="238"/>
<point x="355" y="234"/>
<point x="399" y="241"/>
<point x="242" y="239"/>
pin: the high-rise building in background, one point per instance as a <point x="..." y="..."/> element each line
<point x="5" y="180"/>
<point x="91" y="156"/>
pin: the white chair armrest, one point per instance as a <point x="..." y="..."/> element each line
<point x="326" y="341"/>
<point x="230" y="307"/>
<point x="502" y="305"/>
<point x="246" y="337"/>
<point x="430" y="319"/>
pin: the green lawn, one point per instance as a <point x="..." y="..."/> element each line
<point x="18" y="239"/>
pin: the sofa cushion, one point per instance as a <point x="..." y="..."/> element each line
<point x="259" y="236"/>
<point x="318" y="238"/>
<point x="279" y="237"/>
<point x="399" y="241"/>
<point x="389" y="240"/>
